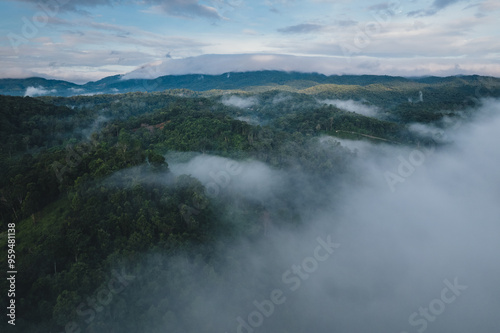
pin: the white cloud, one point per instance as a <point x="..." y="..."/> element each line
<point x="250" y="32"/>
<point x="352" y="106"/>
<point x="304" y="28"/>
<point x="216" y="64"/>
<point x="396" y="249"/>
<point x="252" y="179"/>
<point x="184" y="8"/>
<point x="240" y="102"/>
<point x="38" y="91"/>
<point x="402" y="46"/>
<point x="181" y="8"/>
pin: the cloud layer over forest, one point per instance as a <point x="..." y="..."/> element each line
<point x="418" y="255"/>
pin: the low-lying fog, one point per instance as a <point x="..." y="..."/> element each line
<point x="410" y="244"/>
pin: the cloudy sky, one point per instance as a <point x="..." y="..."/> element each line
<point x="82" y="40"/>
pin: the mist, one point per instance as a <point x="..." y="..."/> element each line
<point x="38" y="91"/>
<point x="407" y="242"/>
<point x="352" y="106"/>
<point x="216" y="64"/>
<point x="95" y="126"/>
<point x="239" y="102"/>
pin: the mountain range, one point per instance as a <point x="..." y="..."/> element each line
<point x="37" y="86"/>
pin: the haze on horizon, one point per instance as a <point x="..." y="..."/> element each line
<point x="81" y="41"/>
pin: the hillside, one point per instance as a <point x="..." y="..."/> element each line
<point x="292" y="81"/>
<point x="164" y="186"/>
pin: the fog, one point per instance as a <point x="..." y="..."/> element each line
<point x="95" y="126"/>
<point x="409" y="242"/>
<point x="38" y="91"/>
<point x="250" y="120"/>
<point x="240" y="102"/>
<point x="216" y="64"/>
<point x="420" y="98"/>
<point x="353" y="106"/>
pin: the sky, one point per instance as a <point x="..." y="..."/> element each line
<point x="82" y="41"/>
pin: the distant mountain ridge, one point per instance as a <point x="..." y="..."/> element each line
<point x="201" y="82"/>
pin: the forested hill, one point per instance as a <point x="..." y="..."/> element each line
<point x="118" y="182"/>
<point x="291" y="81"/>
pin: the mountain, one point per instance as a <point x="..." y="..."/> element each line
<point x="228" y="81"/>
<point x="18" y="87"/>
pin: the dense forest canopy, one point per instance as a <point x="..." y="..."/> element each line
<point x="106" y="184"/>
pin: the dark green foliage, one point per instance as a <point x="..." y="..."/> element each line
<point x="89" y="185"/>
<point x="28" y="123"/>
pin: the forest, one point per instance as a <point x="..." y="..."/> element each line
<point x="116" y="231"/>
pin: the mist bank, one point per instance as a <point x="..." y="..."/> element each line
<point x="286" y="230"/>
<point x="416" y="256"/>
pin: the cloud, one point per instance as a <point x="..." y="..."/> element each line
<point x="301" y="28"/>
<point x="383" y="6"/>
<point x="485" y="8"/>
<point x="369" y="65"/>
<point x="353" y="106"/>
<point x="281" y="98"/>
<point x="427" y="131"/>
<point x="417" y="258"/>
<point x="69" y="64"/>
<point x="72" y="5"/>
<point x="436" y="6"/>
<point x="96" y="125"/>
<point x="255" y="180"/>
<point x="346" y="23"/>
<point x="216" y="64"/>
<point x="250" y="32"/>
<point x="240" y="102"/>
<point x="489" y="6"/>
<point x="185" y="8"/>
<point x="180" y="8"/>
<point x="249" y="120"/>
<point x="440" y="4"/>
<point x="223" y="63"/>
<point x="38" y="91"/>
<point x="457" y="38"/>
